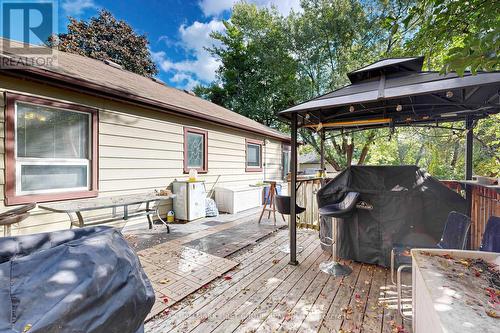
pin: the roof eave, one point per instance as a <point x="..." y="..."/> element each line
<point x="392" y="93"/>
<point x="67" y="82"/>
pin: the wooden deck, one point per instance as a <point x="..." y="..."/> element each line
<point x="266" y="294"/>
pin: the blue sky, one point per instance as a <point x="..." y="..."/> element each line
<point x="178" y="30"/>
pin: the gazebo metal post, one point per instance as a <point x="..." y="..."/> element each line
<point x="468" y="166"/>
<point x="322" y="150"/>
<point x="293" y="193"/>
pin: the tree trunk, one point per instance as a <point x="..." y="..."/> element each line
<point x="454" y="157"/>
<point x="366" y="148"/>
<point x="310" y="139"/>
<point x="420" y="153"/>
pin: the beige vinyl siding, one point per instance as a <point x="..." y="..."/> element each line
<point x="273" y="155"/>
<point x="141" y="150"/>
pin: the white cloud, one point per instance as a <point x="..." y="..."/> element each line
<point x="185" y="81"/>
<point x="201" y="66"/>
<point x="77" y="7"/>
<point x="217" y="7"/>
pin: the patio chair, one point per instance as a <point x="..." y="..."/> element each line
<point x="491" y="236"/>
<point x="283" y="207"/>
<point x="454" y="237"/>
<point x="16" y="215"/>
<point x="337" y="211"/>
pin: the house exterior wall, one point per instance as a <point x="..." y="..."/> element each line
<point x="141" y="150"/>
<point x="305" y="166"/>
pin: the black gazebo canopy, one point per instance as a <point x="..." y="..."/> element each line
<point x="391" y="93"/>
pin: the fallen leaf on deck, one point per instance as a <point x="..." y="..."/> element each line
<point x="27" y="328"/>
<point x="492" y="314"/>
<point x="227" y="277"/>
<point x="165" y="281"/>
<point x="165" y="299"/>
<point x="347" y="310"/>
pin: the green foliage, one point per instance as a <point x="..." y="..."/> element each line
<point x="258" y="74"/>
<point x="270" y="62"/>
<point x="441" y="150"/>
<point x="464" y="34"/>
<point x="106" y="38"/>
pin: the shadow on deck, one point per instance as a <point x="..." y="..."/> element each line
<point x="262" y="293"/>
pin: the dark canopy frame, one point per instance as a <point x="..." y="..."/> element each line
<point x="394" y="93"/>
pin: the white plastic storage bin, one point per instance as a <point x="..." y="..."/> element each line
<point x="237" y="199"/>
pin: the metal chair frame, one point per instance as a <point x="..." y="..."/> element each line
<point x="398" y="281"/>
<point x="400" y="291"/>
<point x="283" y="210"/>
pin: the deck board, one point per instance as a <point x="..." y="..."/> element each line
<point x="266" y="294"/>
<point x="250" y="261"/>
<point x="358" y="303"/>
<point x="238" y="308"/>
<point x="281" y="300"/>
<point x="374" y="312"/>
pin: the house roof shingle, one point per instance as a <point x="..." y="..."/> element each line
<point x="95" y="76"/>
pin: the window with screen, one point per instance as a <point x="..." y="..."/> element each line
<point x="52" y="149"/>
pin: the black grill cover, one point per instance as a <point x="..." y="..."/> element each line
<point x="84" y="280"/>
<point x="409" y="208"/>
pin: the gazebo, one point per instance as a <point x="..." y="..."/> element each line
<point x="394" y="93"/>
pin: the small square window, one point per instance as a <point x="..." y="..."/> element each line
<point x="253" y="155"/>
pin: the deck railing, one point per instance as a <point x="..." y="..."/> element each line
<point x="485" y="203"/>
<point x="306" y="197"/>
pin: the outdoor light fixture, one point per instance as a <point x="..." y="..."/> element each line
<point x="307" y="116"/>
<point x="449" y="94"/>
<point x="399" y="107"/>
<point x="352" y="123"/>
<point x="351" y="108"/>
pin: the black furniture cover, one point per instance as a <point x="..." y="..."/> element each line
<point x="406" y="206"/>
<point x="83" y="280"/>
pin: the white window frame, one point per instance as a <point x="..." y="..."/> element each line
<point x="260" y="155"/>
<point x="20" y="161"/>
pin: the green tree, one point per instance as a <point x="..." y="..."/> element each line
<point x="332" y="38"/>
<point x="105" y="38"/>
<point x="257" y="77"/>
<point x="457" y="35"/>
<point x="270" y="62"/>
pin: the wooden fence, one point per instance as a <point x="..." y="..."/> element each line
<point x="306" y="197"/>
<point x="485" y="203"/>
